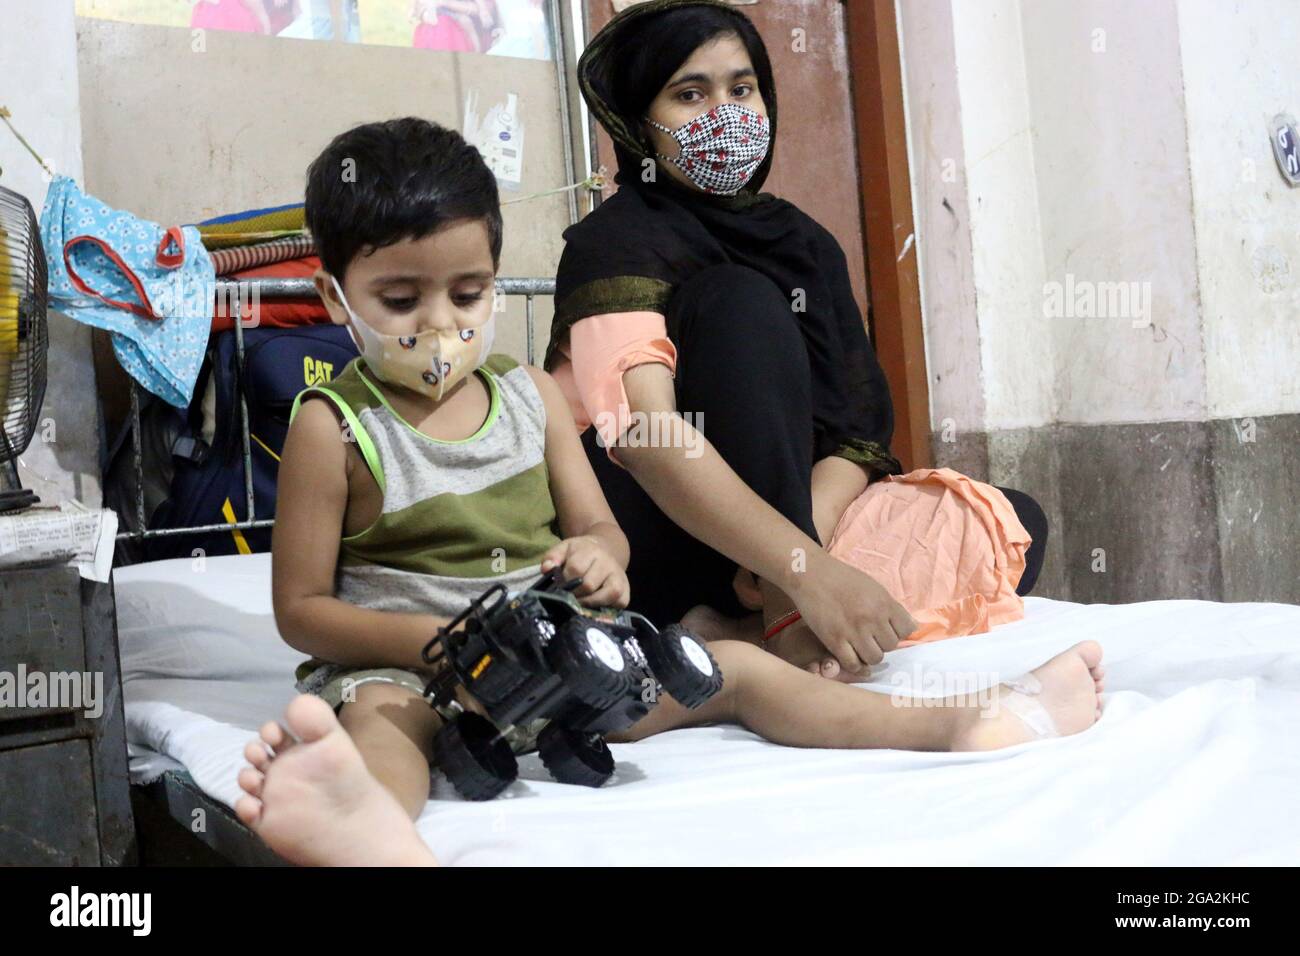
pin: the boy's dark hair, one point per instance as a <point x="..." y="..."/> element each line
<point x="381" y="183"/>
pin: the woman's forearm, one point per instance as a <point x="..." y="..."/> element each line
<point x="836" y="483"/>
<point x="705" y="497"/>
<point x="702" y="494"/>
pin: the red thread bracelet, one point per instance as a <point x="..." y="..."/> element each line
<point x="782" y="622"/>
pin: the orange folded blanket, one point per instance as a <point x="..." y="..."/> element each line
<point x="948" y="548"/>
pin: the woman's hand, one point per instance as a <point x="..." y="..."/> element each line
<point x="604" y="584"/>
<point x="849" y="612"/>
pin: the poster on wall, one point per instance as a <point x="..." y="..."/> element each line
<point x="297" y="19"/>
<point x="499" y="137"/>
<point x="516" y="28"/>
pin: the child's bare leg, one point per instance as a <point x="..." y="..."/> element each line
<point x="794" y="707"/>
<point x="393" y="728"/>
<point x="313" y="801"/>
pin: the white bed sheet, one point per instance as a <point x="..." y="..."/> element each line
<point x="1195" y="760"/>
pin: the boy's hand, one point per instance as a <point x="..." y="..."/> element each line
<point x="851" y="614"/>
<point x="603" y="582"/>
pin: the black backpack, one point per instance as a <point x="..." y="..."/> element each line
<point x="190" y="482"/>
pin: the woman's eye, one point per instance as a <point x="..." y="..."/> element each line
<point x="690" y="96"/>
<point x="742" y="91"/>
<point x="400" y="305"/>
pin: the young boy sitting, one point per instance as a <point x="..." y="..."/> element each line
<point x="430" y="468"/>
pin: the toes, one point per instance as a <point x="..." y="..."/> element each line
<point x="310" y="718"/>
<point x="274" y="735"/>
<point x="830" y="668"/>
<point x="249" y="811"/>
<point x="256" y="754"/>
<point x="251" y="781"/>
<point x="1090" y="651"/>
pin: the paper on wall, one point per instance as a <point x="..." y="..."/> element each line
<point x="499" y="137"/>
<point x="65" y="533"/>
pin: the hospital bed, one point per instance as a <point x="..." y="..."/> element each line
<point x="1194" y="761"/>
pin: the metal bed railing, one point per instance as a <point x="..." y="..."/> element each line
<point x="233" y="294"/>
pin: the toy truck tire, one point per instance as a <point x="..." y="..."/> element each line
<point x="476" y="759"/>
<point x="574" y="757"/>
<point x="590" y="662"/>
<point x="683" y="665"/>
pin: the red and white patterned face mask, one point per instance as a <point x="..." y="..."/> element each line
<point x="721" y="149"/>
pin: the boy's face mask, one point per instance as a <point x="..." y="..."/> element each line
<point x="429" y="362"/>
<point x="721" y="149"/>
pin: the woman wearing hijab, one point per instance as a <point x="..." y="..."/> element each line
<point x="690" y="293"/>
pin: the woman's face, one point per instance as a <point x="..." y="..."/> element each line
<point x="716" y="73"/>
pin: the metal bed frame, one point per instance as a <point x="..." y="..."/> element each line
<point x="235" y="295"/>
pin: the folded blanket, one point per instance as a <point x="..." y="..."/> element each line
<point x="254" y="225"/>
<point x="948" y="548"/>
<point x="233" y="259"/>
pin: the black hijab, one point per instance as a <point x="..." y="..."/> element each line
<point x="632" y="251"/>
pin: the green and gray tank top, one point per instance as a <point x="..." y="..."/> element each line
<point x="457" y="516"/>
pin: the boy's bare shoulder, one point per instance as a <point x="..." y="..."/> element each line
<point x="548" y="387"/>
<point x="315" y="430"/>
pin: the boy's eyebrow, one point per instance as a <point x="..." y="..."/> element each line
<point x="421" y="278"/>
<point x="704" y="77"/>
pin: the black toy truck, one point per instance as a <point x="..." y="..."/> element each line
<point x="541" y="654"/>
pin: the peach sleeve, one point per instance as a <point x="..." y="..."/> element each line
<point x="601" y="349"/>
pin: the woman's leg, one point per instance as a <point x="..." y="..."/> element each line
<point x="1032" y="517"/>
<point x="743" y="380"/>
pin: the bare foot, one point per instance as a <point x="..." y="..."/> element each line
<point x="1058" y="699"/>
<point x="314" y="802"/>
<point x="712" y="625"/>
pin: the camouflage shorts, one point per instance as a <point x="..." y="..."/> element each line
<point x="336" y="684"/>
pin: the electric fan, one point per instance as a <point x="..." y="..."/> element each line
<point x="23" y="341"/>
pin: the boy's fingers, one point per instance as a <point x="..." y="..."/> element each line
<point x="580" y="566"/>
<point x="604" y="596"/>
<point x="556" y="556"/>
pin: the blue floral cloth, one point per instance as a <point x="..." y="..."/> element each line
<point x="151" y="287"/>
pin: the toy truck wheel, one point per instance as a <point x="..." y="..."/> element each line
<point x="683" y="665"/>
<point x="590" y="661"/>
<point x="574" y="757"/>
<point x="476" y="759"/>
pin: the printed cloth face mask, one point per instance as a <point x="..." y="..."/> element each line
<point x="429" y="362"/>
<point x="721" y="149"/>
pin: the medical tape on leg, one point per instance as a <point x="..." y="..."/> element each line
<point x="1022" y="701"/>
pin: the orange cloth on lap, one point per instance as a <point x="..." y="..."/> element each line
<point x="601" y="348"/>
<point x="948" y="548"/>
